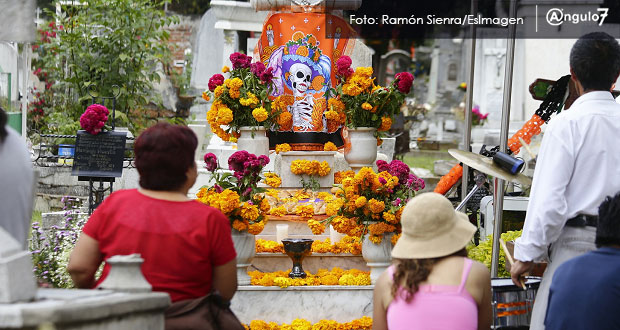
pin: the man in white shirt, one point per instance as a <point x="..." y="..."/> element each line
<point x="577" y="167"/>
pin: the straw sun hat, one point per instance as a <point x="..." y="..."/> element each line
<point x="432" y="228"/>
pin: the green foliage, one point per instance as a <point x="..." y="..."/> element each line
<point x="110" y="47"/>
<point x="483" y="253"/>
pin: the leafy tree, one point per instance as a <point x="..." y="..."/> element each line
<point x="107" y="47"/>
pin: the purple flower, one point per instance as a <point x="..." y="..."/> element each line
<point x="400" y="170"/>
<point x="382" y="180"/>
<point x="210" y="162"/>
<point x="247" y="191"/>
<point x="236" y="160"/>
<point x="397" y="201"/>
<point x="215" y="80"/>
<point x="267" y="75"/>
<point x="218" y="189"/>
<point x="257" y="68"/>
<point x="264" y="160"/>
<point x="382" y="165"/>
<point x="240" y="60"/>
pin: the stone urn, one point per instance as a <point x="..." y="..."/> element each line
<point x="245" y="246"/>
<point x="297" y="249"/>
<point x="253" y="139"/>
<point x="378" y="257"/>
<point x="125" y="275"/>
<point x="360" y="149"/>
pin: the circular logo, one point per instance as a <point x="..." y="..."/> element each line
<point x="555" y="16"/>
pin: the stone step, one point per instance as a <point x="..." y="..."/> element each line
<point x="271" y="262"/>
<point x="313" y="303"/>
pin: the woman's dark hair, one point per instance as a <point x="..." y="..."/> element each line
<point x="3" y="120"/>
<point x="595" y="60"/>
<point x="164" y="153"/>
<point x="608" y="228"/>
<point x="415" y="271"/>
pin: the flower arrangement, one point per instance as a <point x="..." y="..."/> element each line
<point x="285" y="202"/>
<point x="337" y="276"/>
<point x="347" y="244"/>
<point x="357" y="102"/>
<point x="242" y="99"/>
<point x="272" y="180"/>
<point x="371" y="203"/>
<point x="94" y="118"/>
<point x="364" y="323"/>
<point x="311" y="168"/>
<point x="237" y="195"/>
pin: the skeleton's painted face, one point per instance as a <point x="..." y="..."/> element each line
<point x="300" y="75"/>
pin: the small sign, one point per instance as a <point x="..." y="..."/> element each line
<point x="99" y="155"/>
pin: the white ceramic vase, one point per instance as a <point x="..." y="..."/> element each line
<point x="361" y="148"/>
<point x="253" y="139"/>
<point x="245" y="247"/>
<point x="378" y="257"/>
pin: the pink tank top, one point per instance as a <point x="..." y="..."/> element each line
<point x="435" y="307"/>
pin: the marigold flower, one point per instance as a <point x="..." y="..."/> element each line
<point x="330" y="146"/>
<point x="249" y="212"/>
<point x="278" y="211"/>
<point x="285" y="120"/>
<point x="272" y="179"/>
<point x="360" y="202"/>
<point x="219" y="90"/>
<point x="324" y="168"/>
<point x="225" y="69"/>
<point x="240" y="225"/>
<point x="264" y="205"/>
<point x="206" y="96"/>
<point x="224" y="116"/>
<point x="386" y="123"/>
<point x="256" y="228"/>
<point x="389" y="217"/>
<point x="366" y="106"/>
<point x="376" y="206"/>
<point x="260" y="114"/>
<point x="284" y="147"/>
<point x="395" y="238"/>
<point x="380" y="228"/>
<point x="317" y="227"/>
<point x="305" y="210"/>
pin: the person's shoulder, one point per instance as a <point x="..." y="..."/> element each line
<point x="480" y="272"/>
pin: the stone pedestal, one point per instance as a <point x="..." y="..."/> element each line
<point x="16" y="280"/>
<point x="87" y="310"/>
<point x="313" y="303"/>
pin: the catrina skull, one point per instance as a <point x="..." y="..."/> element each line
<point x="300" y="75"/>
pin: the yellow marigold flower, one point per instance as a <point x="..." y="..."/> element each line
<point x="325" y="196"/>
<point x="332" y="115"/>
<point x="389" y="217"/>
<point x="375" y="88"/>
<point x="301" y="324"/>
<point x="330" y="146"/>
<point x="225" y="69"/>
<point x="360" y="202"/>
<point x="284" y="147"/>
<point x="264" y="205"/>
<point x="317" y="227"/>
<point x="232" y="139"/>
<point x="329" y="280"/>
<point x="395" y="238"/>
<point x="240" y="225"/>
<point x="298" y="166"/>
<point x="386" y="123"/>
<point x="283" y="282"/>
<point x="379" y="141"/>
<point x="379" y="228"/>
<point x="224" y="116"/>
<point x="305" y="210"/>
<point x="234" y="93"/>
<point x="260" y="114"/>
<point x="376" y="206"/>
<point x="285" y="120"/>
<point x="278" y="211"/>
<point x="272" y="179"/>
<point x="335" y="105"/>
<point x="273" y="193"/>
<point x="206" y="96"/>
<point x="250" y="100"/>
<point x="351" y="90"/>
<point x="332" y="208"/>
<point x="366" y="106"/>
<point x="219" y="90"/>
<point x="228" y="201"/>
<point x="249" y="211"/>
<point x="235" y="83"/>
<point x="324" y="168"/>
<point x="375" y="239"/>
<point x="256" y="228"/>
<point x="363" y="71"/>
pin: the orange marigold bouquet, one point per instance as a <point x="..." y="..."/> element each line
<point x="357" y="102"/>
<point x="242" y="99"/>
<point x="237" y="194"/>
<point x="371" y="203"/>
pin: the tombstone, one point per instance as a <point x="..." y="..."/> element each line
<point x="208" y="56"/>
<point x="17" y="283"/>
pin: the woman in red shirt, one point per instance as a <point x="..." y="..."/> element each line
<point x="186" y="246"/>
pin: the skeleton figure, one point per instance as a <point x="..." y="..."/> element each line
<point x="300" y="76"/>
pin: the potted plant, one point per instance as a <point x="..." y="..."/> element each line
<point x="241" y="103"/>
<point x="367" y="109"/>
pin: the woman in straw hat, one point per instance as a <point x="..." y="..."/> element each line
<point x="432" y="284"/>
